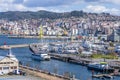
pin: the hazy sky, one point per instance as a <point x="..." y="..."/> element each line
<point x="98" y="6"/>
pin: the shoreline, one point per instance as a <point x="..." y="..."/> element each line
<point x="53" y="37"/>
<point x="43" y="74"/>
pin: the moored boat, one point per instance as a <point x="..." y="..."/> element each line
<point x="102" y="66"/>
<point x="40" y="52"/>
<point x="41" y="57"/>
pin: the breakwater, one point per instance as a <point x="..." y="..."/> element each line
<point x="13" y="46"/>
<point x="44" y="74"/>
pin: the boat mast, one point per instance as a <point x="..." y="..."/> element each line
<point x="41" y="33"/>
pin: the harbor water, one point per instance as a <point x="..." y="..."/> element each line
<point x="59" y="67"/>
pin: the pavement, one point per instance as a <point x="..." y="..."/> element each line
<point x="19" y="77"/>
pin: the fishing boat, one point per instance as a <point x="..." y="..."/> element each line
<point x="41" y="57"/>
<point x="40" y="50"/>
<point x="102" y="66"/>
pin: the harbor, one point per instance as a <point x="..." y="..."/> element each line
<point x="54" y="65"/>
<point x="60" y="40"/>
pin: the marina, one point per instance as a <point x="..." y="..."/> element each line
<point x="60" y="40"/>
<point x="52" y="66"/>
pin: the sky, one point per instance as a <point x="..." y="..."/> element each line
<point x="93" y="6"/>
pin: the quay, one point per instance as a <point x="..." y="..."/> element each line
<point x="114" y="63"/>
<point x="13" y="46"/>
<point x="71" y="58"/>
<point x="44" y="74"/>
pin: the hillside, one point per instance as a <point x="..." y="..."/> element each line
<point x="18" y="15"/>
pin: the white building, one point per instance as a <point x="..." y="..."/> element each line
<point x="8" y="63"/>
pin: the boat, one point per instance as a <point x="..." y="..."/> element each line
<point x="41" y="57"/>
<point x="102" y="66"/>
<point x="40" y="50"/>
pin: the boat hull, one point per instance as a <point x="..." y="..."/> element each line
<point x="40" y="57"/>
<point x="91" y="67"/>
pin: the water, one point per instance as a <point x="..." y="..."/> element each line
<point x="24" y="55"/>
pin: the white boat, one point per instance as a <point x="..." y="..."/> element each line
<point x="41" y="57"/>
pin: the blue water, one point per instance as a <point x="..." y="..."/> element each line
<point x="24" y="55"/>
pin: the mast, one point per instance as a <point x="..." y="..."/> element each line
<point x="41" y="33"/>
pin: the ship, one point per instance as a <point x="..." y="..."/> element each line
<point x="39" y="50"/>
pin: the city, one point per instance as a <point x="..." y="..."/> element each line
<point x="51" y="45"/>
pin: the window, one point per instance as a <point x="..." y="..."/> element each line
<point x="4" y="68"/>
<point x="1" y="63"/>
<point x="12" y="67"/>
<point x="0" y="68"/>
<point x="8" y="62"/>
<point x="5" y="62"/>
<point x="11" y="62"/>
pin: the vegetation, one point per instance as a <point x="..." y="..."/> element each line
<point x="99" y="37"/>
<point x="17" y="15"/>
<point x="111" y="44"/>
<point x="108" y="56"/>
<point x="20" y="15"/>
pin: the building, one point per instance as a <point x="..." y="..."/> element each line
<point x="114" y="37"/>
<point x="9" y="63"/>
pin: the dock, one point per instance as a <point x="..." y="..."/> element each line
<point x="13" y="46"/>
<point x="103" y="76"/>
<point x="71" y="58"/>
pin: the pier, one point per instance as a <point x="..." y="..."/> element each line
<point x="71" y="58"/>
<point x="13" y="46"/>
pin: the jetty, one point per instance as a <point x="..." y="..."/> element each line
<point x="13" y="46"/>
<point x="102" y="76"/>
